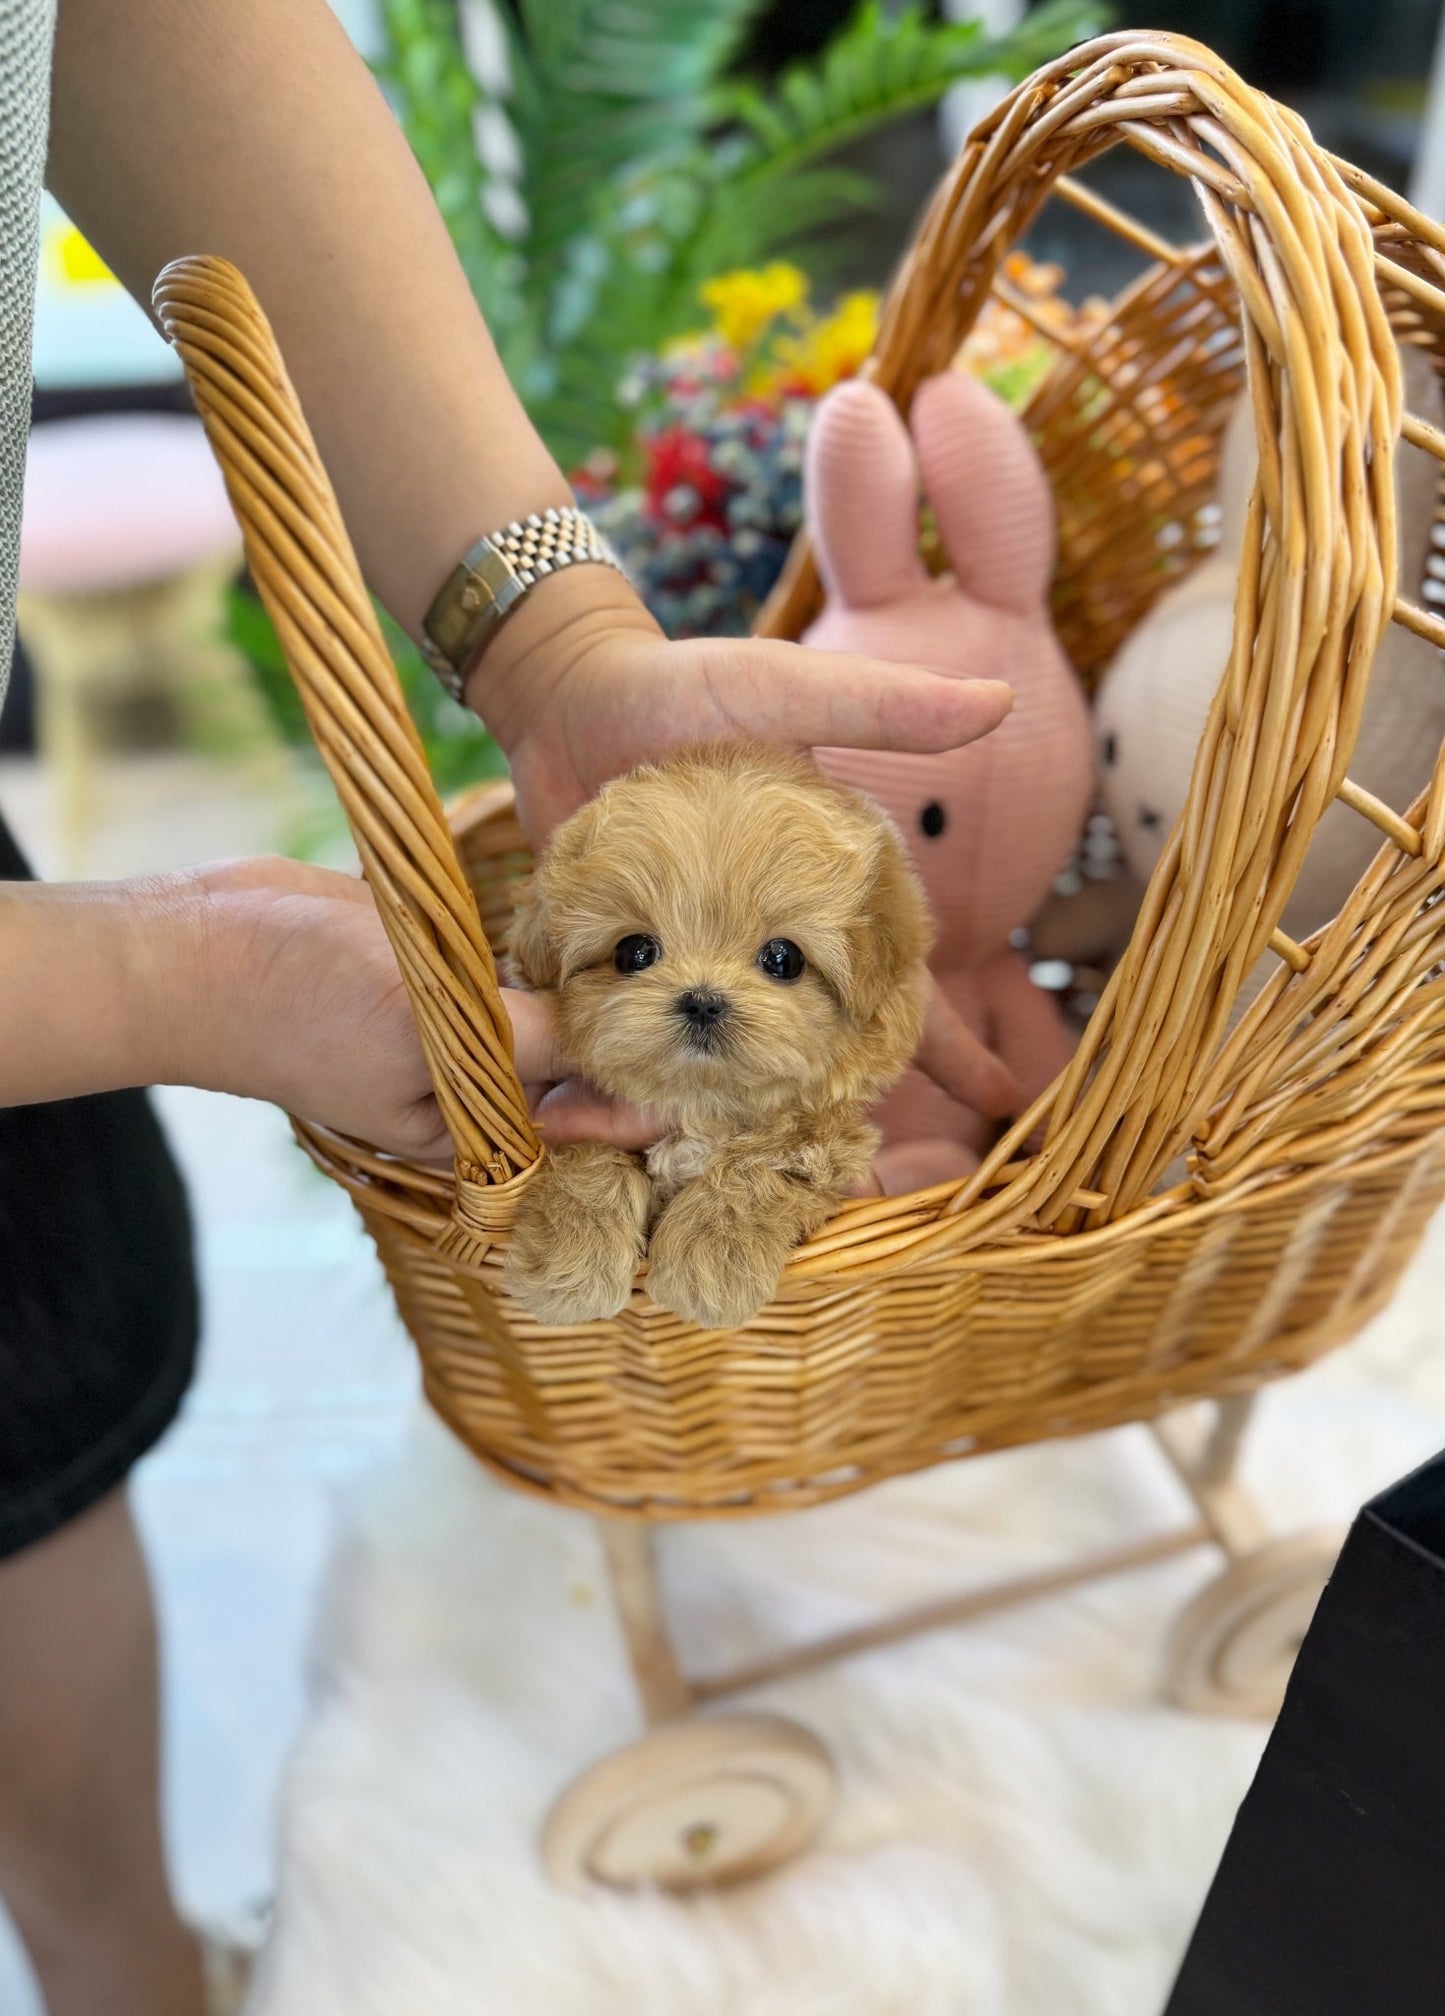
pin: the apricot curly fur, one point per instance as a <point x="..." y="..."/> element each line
<point x="711" y="855"/>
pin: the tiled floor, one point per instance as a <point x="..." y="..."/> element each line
<point x="305" y="1382"/>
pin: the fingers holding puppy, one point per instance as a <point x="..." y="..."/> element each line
<point x="902" y="1167"/>
<point x="958" y="1061"/>
<point x="573" y="1110"/>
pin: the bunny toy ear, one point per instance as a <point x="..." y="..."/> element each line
<point x="988" y="492"/>
<point x="860" y="486"/>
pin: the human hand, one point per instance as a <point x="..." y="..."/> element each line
<point x="308" y="1010"/>
<point x="581" y="684"/>
<point x="302" y="1003"/>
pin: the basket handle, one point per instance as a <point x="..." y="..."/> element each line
<point x="1295" y="240"/>
<point x="307" y="574"/>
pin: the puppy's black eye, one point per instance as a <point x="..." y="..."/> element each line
<point x="636" y="953"/>
<point x="932" y="819"/>
<point x="780" y="959"/>
<point x="1110" y="751"/>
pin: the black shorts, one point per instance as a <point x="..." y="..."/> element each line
<point x="98" y="1306"/>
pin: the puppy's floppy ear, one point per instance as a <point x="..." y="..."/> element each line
<point x="893" y="935"/>
<point x="532" y="952"/>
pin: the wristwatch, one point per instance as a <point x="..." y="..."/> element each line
<point x="478" y="596"/>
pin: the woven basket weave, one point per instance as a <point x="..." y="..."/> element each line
<point x="1081" y="1285"/>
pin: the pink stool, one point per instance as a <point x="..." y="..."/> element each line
<point x="126" y="545"/>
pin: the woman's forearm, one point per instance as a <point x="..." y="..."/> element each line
<point x="267" y="978"/>
<point x="102" y="985"/>
<point x="251" y="128"/>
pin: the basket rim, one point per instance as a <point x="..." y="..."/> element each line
<point x="1172" y="1214"/>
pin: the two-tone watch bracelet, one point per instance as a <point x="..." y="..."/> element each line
<point x="479" y="595"/>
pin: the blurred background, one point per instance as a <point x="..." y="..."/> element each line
<point x="670" y="336"/>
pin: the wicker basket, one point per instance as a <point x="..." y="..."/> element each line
<point x="1081" y="1285"/>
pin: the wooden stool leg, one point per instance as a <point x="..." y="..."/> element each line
<point x="65" y="742"/>
<point x="630" y="1551"/>
<point x="56" y="640"/>
<point x="1221" y="1451"/>
<point x="1205" y="1466"/>
<point x="1233" y="1644"/>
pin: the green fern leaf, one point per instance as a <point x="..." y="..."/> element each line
<point x="436" y="98"/>
<point x="878" y="68"/>
<point x="618" y="82"/>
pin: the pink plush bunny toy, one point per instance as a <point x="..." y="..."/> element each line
<point x="992" y="825"/>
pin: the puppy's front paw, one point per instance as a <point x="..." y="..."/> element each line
<point x="713" y="1263"/>
<point x="579" y="1235"/>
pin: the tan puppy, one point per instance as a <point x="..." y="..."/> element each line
<point x="738" y="943"/>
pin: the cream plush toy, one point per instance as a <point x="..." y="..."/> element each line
<point x="990" y="826"/>
<point x="1153" y="700"/>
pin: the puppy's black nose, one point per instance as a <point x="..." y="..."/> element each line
<point x="702" y="1011"/>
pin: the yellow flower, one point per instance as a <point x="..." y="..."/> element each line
<point x="745" y="302"/>
<point x="827" y="350"/>
<point x="840" y="344"/>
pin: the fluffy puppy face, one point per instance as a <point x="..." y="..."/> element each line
<point x="728" y="931"/>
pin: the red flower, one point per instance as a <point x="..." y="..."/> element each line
<point x="677" y="460"/>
